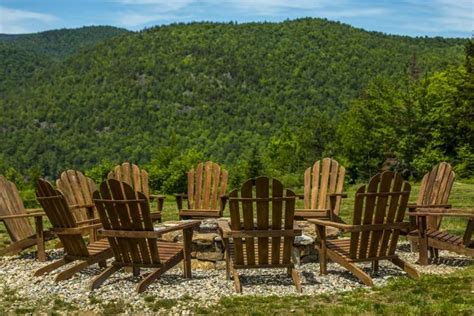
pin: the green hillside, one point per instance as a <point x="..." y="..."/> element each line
<point x="62" y="43"/>
<point x="23" y="54"/>
<point x="239" y="93"/>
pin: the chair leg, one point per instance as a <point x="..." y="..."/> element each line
<point x="18" y="246"/>
<point x="237" y="285"/>
<point x="227" y="258"/>
<point x="352" y="267"/>
<point x="98" y="280"/>
<point x="432" y="254"/>
<point x="322" y="249"/>
<point x="143" y="285"/>
<point x="40" y="238"/>
<point x="67" y="274"/>
<point x="375" y="266"/>
<point x="136" y="271"/>
<point x="296" y="279"/>
<point x="51" y="267"/>
<point x="408" y="268"/>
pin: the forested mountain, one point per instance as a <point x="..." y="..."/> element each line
<point x="62" y="43"/>
<point x="22" y="54"/>
<point x="267" y="96"/>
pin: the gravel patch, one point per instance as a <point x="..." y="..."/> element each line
<point x="204" y="289"/>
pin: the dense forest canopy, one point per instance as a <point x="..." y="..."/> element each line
<point x="23" y="54"/>
<point x="258" y="97"/>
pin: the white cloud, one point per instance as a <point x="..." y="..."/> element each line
<point x="456" y="15"/>
<point x="142" y="12"/>
<point x="159" y="5"/>
<point x="20" y="21"/>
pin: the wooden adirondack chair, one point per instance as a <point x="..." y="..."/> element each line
<point x="125" y="216"/>
<point x="70" y="233"/>
<point x="434" y="192"/>
<point x="78" y="189"/>
<point x="269" y="243"/>
<point x="15" y="218"/>
<point x="434" y="239"/>
<point x="138" y="179"/>
<point x="207" y="184"/>
<point x="379" y="209"/>
<point x="323" y="185"/>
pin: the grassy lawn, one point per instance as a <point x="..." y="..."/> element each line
<point x="432" y="295"/>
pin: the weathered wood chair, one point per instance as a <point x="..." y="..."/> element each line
<point x="125" y="216"/>
<point x="207" y="184"/>
<point x="138" y="179"/>
<point x="70" y="232"/>
<point x="323" y="185"/>
<point x="78" y="189"/>
<point x="379" y="209"/>
<point x="434" y="192"/>
<point x="269" y="242"/>
<point x="435" y="239"/>
<point x="15" y="218"/>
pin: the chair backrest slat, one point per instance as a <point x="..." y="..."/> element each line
<point x="132" y="175"/>
<point x="132" y="215"/>
<point x="11" y="204"/>
<point x="379" y="208"/>
<point x="206" y="183"/>
<point x="321" y="179"/>
<point x="262" y="191"/>
<point x="435" y="189"/>
<point x="251" y="212"/>
<point x="57" y="209"/>
<point x="277" y="221"/>
<point x="77" y="189"/>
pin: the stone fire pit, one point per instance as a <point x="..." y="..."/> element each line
<point x="207" y="244"/>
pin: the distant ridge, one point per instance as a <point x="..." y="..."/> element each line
<point x="223" y="88"/>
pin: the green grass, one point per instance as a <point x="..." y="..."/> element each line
<point x="432" y="295"/>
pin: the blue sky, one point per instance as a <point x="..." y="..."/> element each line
<point x="449" y="18"/>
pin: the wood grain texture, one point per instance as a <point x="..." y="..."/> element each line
<point x="125" y="216"/>
<point x="207" y="183"/>
<point x="261" y="228"/>
<point x="325" y="177"/>
<point x="379" y="209"/>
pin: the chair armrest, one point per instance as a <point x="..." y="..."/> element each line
<point x="75" y="230"/>
<point x="33" y="210"/>
<point x="227" y="232"/>
<point x="322" y="222"/>
<point x="433" y="213"/>
<point x="181" y="195"/>
<point x="360" y="228"/>
<point x="157" y="197"/>
<point x="21" y="216"/>
<point x="224" y="228"/>
<point x="184" y="224"/>
<point x="415" y="206"/>
<point x="342" y="195"/>
<point x="148" y="233"/>
<point x="300" y="196"/>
